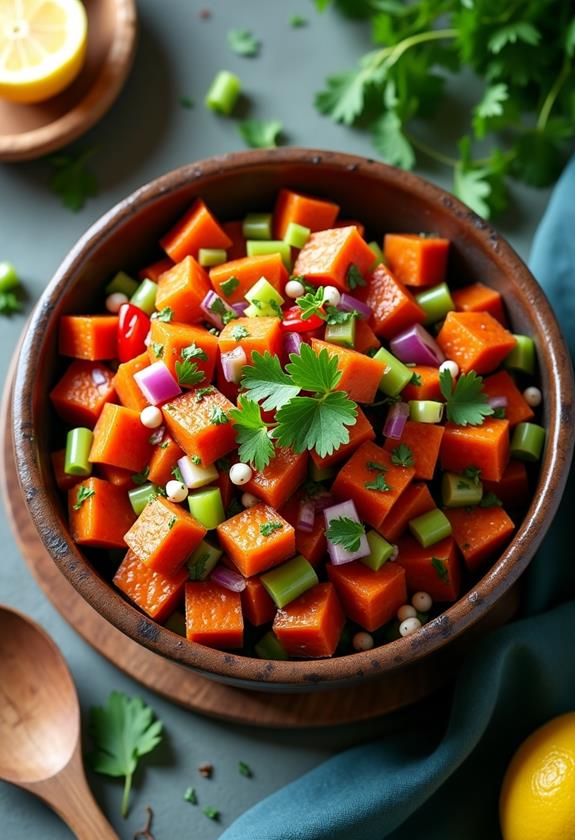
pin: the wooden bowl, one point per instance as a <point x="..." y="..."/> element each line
<point x="386" y="199"/>
<point x="30" y="131"/>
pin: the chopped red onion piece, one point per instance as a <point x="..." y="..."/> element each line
<point x="292" y="342"/>
<point x="157" y="435"/>
<point x="207" y="307"/>
<point x="351" y="304"/>
<point x="233" y="364"/>
<point x="306" y="516"/>
<point x="323" y="501"/>
<point x="240" y="307"/>
<point x="497" y="402"/>
<point x="338" y="554"/>
<point x="157" y="383"/>
<point x="397" y="417"/>
<point x="415" y="345"/>
<point x="228" y="579"/>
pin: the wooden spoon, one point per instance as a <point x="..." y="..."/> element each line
<point x="40" y="748"/>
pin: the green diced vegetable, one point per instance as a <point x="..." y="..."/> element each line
<point x="378" y="253"/>
<point x="458" y="491"/>
<point x="9" y="280"/>
<point x="257" y="226"/>
<point x="263" y="292"/>
<point x="287" y="582"/>
<point x="211" y="256"/>
<point x="435" y="302"/>
<point x="296" y="235"/>
<point x="203" y="560"/>
<point x="425" y="411"/>
<point x="269" y="647"/>
<point x="78" y="445"/>
<point x="140" y="496"/>
<point x="256" y="248"/>
<point x="341" y="334"/>
<point x="396" y="375"/>
<point x="522" y="357"/>
<point x="145" y="296"/>
<point x="123" y="283"/>
<point x="206" y="506"/>
<point x="380" y="552"/>
<point x="430" y="527"/>
<point x="527" y="441"/>
<point x="223" y="93"/>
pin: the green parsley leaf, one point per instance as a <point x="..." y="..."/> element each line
<point x="83" y="494"/>
<point x="339" y="316"/>
<point x="203" y="392"/>
<point x="343" y="99"/>
<point x="473" y="188"/>
<point x="196" y="459"/>
<point x="71" y="179"/>
<point x="244" y="769"/>
<point x="402" y="456"/>
<point x="140" y="478"/>
<point x="490" y="500"/>
<point x="211" y="813"/>
<point x="171" y="522"/>
<point x="491" y="105"/>
<point x="186" y="102"/>
<point x="441" y="569"/>
<point x="297" y="21"/>
<point x="354" y="277"/>
<point x="463" y="485"/>
<point x="375" y="466"/>
<point x="318" y="423"/>
<point x="379" y="483"/>
<point x="194" y="352"/>
<point x="177" y="473"/>
<point x="242" y="42"/>
<point x="218" y="416"/>
<point x="499" y="413"/>
<point x="191" y="796"/>
<point x="311" y="303"/>
<point x="255" y="446"/>
<point x="188" y="374"/>
<point x="391" y="143"/>
<point x="473" y="473"/>
<point x="122" y="731"/>
<point x="240" y="332"/>
<point x="265" y="380"/>
<point x="221" y="309"/>
<point x="229" y="286"/>
<point x="466" y="404"/>
<point x="268" y="528"/>
<point x="158" y="349"/>
<point x="346" y="532"/>
<point x="166" y="314"/>
<point x="312" y="371"/>
<point x="9" y="303"/>
<point x="260" y="134"/>
<point x="511" y="34"/>
<point x="415" y="380"/>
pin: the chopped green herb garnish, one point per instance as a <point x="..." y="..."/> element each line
<point x="466" y="404"/>
<point x="375" y="466"/>
<point x="242" y="42"/>
<point x="499" y="413"/>
<point x="203" y="392"/>
<point x="158" y="349"/>
<point x="171" y="522"/>
<point x="218" y="416"/>
<point x="339" y="316"/>
<point x="229" y="286"/>
<point x="9" y="303"/>
<point x="195" y="459"/>
<point x="268" y="528"/>
<point x="311" y="303"/>
<point x="379" y="483"/>
<point x="441" y="569"/>
<point x="354" y="277"/>
<point x="186" y="102"/>
<point x="463" y="485"/>
<point x="402" y="456"/>
<point x="71" y="179"/>
<point x="415" y="380"/>
<point x="188" y="373"/>
<point x="194" y="352"/>
<point x="473" y="473"/>
<point x="164" y="444"/>
<point x="346" y="532"/>
<point x="140" y="478"/>
<point x="297" y="21"/>
<point x="490" y="500"/>
<point x="255" y="446"/>
<point x="83" y="494"/>
<point x="260" y="134"/>
<point x="244" y="769"/>
<point x="177" y="473"/>
<point x="166" y="314"/>
<point x="190" y="796"/>
<point x="240" y="332"/>
<point x="211" y="812"/>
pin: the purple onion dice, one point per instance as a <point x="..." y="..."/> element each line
<point x="497" y="402"/>
<point x="351" y="304"/>
<point x="228" y="579"/>
<point x="416" y="346"/>
<point x="212" y="300"/>
<point x="240" y="307"/>
<point x="397" y="417"/>
<point x="306" y="516"/>
<point x="233" y="364"/>
<point x="157" y="383"/>
<point x="292" y="342"/>
<point x="338" y="554"/>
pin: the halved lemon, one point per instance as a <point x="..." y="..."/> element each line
<point x="42" y="47"/>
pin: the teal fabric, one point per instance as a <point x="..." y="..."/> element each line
<point x="442" y="782"/>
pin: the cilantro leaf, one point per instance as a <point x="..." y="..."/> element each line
<point x="491" y="105"/>
<point x="346" y="532"/>
<point x="311" y="303"/>
<point x="268" y="528"/>
<point x="379" y="483"/>
<point x="466" y="404"/>
<point x="344" y="96"/>
<point x="265" y="380"/>
<point x="318" y="423"/>
<point x="71" y="180"/>
<point x="489" y="500"/>
<point x="473" y="188"/>
<point x="194" y="352"/>
<point x="255" y="446"/>
<point x="415" y="380"/>
<point x="473" y="473"/>
<point x="9" y="303"/>
<point x="242" y="42"/>
<point x="354" y="277"/>
<point x="297" y="21"/>
<point x="339" y="316"/>
<point x="260" y="134"/>
<point x="441" y="569"/>
<point x="122" y="731"/>
<point x="511" y="33"/>
<point x="188" y="374"/>
<point x="312" y="371"/>
<point x="83" y="494"/>
<point x="191" y="796"/>
<point x="140" y="478"/>
<point x="229" y="286"/>
<point x="158" y="349"/>
<point x="245" y="769"/>
<point x="391" y="143"/>
<point x="402" y="456"/>
<point x="166" y="314"/>
<point x="218" y="416"/>
<point x="240" y="332"/>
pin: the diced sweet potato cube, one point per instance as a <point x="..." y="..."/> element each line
<point x="120" y="439"/>
<point x="513" y="486"/>
<point x="247" y="271"/>
<point x="63" y="480"/>
<point x="80" y="395"/>
<point x="485" y="447"/>
<point x="360" y="227"/>
<point x="428" y="388"/>
<point x="480" y="533"/>
<point x="365" y="338"/>
<point x="479" y="298"/>
<point x="312" y="545"/>
<point x="282" y="476"/>
<point x="91" y="337"/>
<point x="213" y="615"/>
<point x="358" y="434"/>
<point x="263" y="334"/>
<point x="363" y="468"/>
<point x="154" y="271"/>
<point x="182" y="289"/>
<point x="326" y="257"/>
<point x="313" y="213"/>
<point x="475" y="340"/>
<point x="369" y="598"/>
<point x="168" y="340"/>
<point x="234" y="230"/>
<point x="125" y="385"/>
<point x="155" y="594"/>
<point x="257" y="605"/>
<point x="311" y="626"/>
<point x="415" y="500"/>
<point x="164" y="536"/>
<point x="416" y="260"/>
<point x="198" y="423"/>
<point x="393" y="306"/>
<point x="117" y="476"/>
<point x="434" y="570"/>
<point x="196" y="229"/>
<point x="164" y="458"/>
<point x="424" y="440"/>
<point x="256" y="539"/>
<point x="360" y="375"/>
<point x="502" y="385"/>
<point x="99" y="514"/>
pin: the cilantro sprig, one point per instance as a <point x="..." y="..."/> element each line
<point x="346" y="532"/>
<point x="188" y="373"/>
<point x="465" y="404"/>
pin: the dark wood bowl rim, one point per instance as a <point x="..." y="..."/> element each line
<point x="231" y="667"/>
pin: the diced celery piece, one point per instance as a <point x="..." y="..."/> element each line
<point x="262" y="310"/>
<point x="522" y="357"/>
<point x="206" y="506"/>
<point x="396" y="375"/>
<point x="257" y="226"/>
<point x="255" y="248"/>
<point x="122" y="282"/>
<point x="342" y="334"/>
<point x="145" y="296"/>
<point x="212" y="256"/>
<point x="287" y="582"/>
<point x="430" y="527"/>
<point x="176" y="623"/>
<point x="378" y="253"/>
<point x="321" y="473"/>
<point x="140" y="496"/>
<point x="269" y="647"/>
<point x="203" y="560"/>
<point x="8" y="277"/>
<point x="380" y="553"/>
<point x="459" y="491"/>
<point x="296" y="235"/>
<point x="435" y="302"/>
<point x="425" y="411"/>
<point x="264" y="292"/>
<point x="527" y="441"/>
<point x="198" y="476"/>
<point x="78" y="445"/>
<point x="223" y="92"/>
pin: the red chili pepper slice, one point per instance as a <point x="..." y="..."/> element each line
<point x="133" y="328"/>
<point x="293" y="321"/>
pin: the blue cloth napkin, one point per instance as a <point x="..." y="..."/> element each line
<point x="443" y="782"/>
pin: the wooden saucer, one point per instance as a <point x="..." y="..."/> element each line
<point x="30" y="131"/>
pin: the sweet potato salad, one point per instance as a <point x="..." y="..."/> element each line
<point x="289" y="440"/>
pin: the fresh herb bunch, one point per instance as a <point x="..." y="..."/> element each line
<point x="522" y="51"/>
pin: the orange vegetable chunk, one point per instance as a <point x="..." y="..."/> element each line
<point x="117" y="476"/>
<point x="485" y="447"/>
<point x="155" y="594"/>
<point x="196" y="229"/>
<point x="164" y="535"/>
<point x="480" y="533"/>
<point x="311" y="626"/>
<point x="415" y="500"/>
<point x="251" y="550"/>
<point x="120" y="439"/>
<point x="513" y="487"/>
<point x="428" y="389"/>
<point x="416" y="260"/>
<point x="282" y="476"/>
<point x="125" y="385"/>
<point x="234" y="230"/>
<point x="91" y="337"/>
<point x="424" y="440"/>
<point x="313" y="213"/>
<point x="247" y="271"/>
<point x="312" y="545"/>
<point x="257" y="605"/>
<point x="164" y="458"/>
<point x="479" y="298"/>
<point x="102" y="519"/>
<point x="517" y="410"/>
<point x="213" y="615"/>
<point x="365" y="338"/>
<point x="80" y="395"/>
<point x="475" y="340"/>
<point x="168" y="339"/>
<point x="62" y="479"/>
<point x="326" y="257"/>
<point x="182" y="289"/>
<point x="360" y="375"/>
<point x="155" y="270"/>
<point x="435" y="570"/>
<point x="369" y="598"/>
<point x="263" y="334"/>
<point x="358" y="434"/>
<point x="347" y="222"/>
<point x="393" y="306"/>
<point x="372" y="505"/>
<point x="190" y="421"/>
